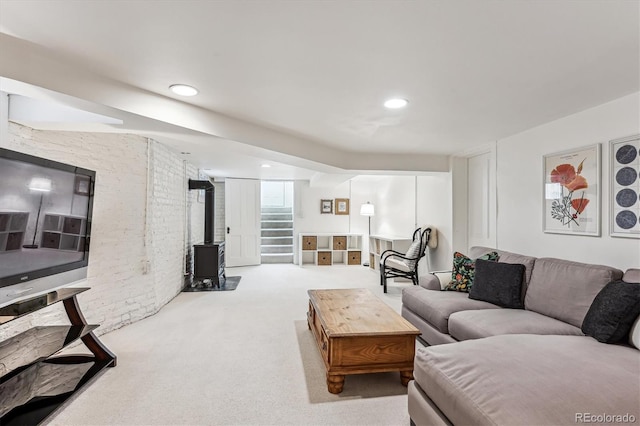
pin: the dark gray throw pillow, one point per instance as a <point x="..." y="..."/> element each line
<point x="498" y="283"/>
<point x="613" y="312"/>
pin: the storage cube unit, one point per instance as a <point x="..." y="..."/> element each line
<point x="13" y="226"/>
<point x="329" y="249"/>
<point x="63" y="232"/>
<point x="379" y="243"/>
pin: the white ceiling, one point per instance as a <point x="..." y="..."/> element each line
<point x="303" y="81"/>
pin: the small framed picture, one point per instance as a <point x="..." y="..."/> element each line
<point x="82" y="185"/>
<point x="326" y="206"/>
<point x="342" y="206"/>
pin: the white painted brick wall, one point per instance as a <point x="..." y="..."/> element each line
<point x="167" y="222"/>
<point x="139" y="228"/>
<point x="219" y="225"/>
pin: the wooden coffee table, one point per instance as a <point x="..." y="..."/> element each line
<point x="358" y="333"/>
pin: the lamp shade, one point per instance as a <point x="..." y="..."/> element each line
<point x="367" y="210"/>
<point x="40" y="184"/>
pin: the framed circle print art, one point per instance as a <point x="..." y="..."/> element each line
<point x="624" y="214"/>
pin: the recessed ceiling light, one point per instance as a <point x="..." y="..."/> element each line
<point x="266" y="166"/>
<point x="183" y="90"/>
<point x="395" y="103"/>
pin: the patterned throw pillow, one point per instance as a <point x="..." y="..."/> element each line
<point x="464" y="269"/>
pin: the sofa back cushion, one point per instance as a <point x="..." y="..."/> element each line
<point x="564" y="290"/>
<point x="632" y="275"/>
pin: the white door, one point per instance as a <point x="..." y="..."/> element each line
<point x="242" y="218"/>
<point x="481" y="200"/>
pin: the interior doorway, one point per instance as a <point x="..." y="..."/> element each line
<point x="276" y="220"/>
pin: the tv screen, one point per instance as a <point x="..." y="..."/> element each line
<point x="45" y="217"/>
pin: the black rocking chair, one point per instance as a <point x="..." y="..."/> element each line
<point x="404" y="265"/>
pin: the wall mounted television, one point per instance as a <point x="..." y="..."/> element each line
<point x="45" y="224"/>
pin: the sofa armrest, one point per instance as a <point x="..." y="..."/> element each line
<point x="435" y="280"/>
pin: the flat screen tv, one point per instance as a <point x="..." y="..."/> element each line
<point x="45" y="224"/>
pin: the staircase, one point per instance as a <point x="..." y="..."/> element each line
<point x="276" y="243"/>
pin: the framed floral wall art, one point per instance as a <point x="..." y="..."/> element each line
<point x="624" y="172"/>
<point x="572" y="192"/>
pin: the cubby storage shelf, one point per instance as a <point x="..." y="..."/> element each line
<point x="13" y="226"/>
<point x="329" y="249"/>
<point x="379" y="243"/>
<point x="35" y="380"/>
<point x="62" y="232"/>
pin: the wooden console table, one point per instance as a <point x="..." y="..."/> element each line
<point x="34" y="382"/>
<point x="358" y="333"/>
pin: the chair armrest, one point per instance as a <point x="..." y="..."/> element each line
<point x="435" y="280"/>
<point x="390" y="252"/>
<point x="395" y="253"/>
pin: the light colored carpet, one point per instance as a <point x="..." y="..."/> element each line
<point x="243" y="357"/>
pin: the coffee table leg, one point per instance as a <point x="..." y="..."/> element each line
<point x="335" y="383"/>
<point x="406" y="376"/>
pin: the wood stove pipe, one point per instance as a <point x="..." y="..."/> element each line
<point x="209" y="206"/>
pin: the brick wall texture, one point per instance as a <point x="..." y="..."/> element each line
<point x="144" y="223"/>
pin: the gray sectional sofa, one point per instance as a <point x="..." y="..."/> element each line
<point x="533" y="366"/>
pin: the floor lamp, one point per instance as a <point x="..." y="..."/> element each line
<point x="41" y="185"/>
<point x="367" y="210"/>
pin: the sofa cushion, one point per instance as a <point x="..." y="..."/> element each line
<point x="565" y="290"/>
<point x="519" y="259"/>
<point x="613" y="312"/>
<point x="397" y="263"/>
<point x="529" y="380"/>
<point x="498" y="283"/>
<point x="468" y="325"/>
<point x="631" y="275"/>
<point x="634" y="334"/>
<point x="508" y="257"/>
<point x="463" y="272"/>
<point x="436" y="306"/>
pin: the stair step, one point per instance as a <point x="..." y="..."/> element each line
<point x="276" y="249"/>
<point x="277" y="258"/>
<point x="277" y="216"/>
<point x="276" y="210"/>
<point x="285" y="240"/>
<point x="282" y="232"/>
<point x="272" y="224"/>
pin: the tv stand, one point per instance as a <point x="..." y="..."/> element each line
<point x="34" y="381"/>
